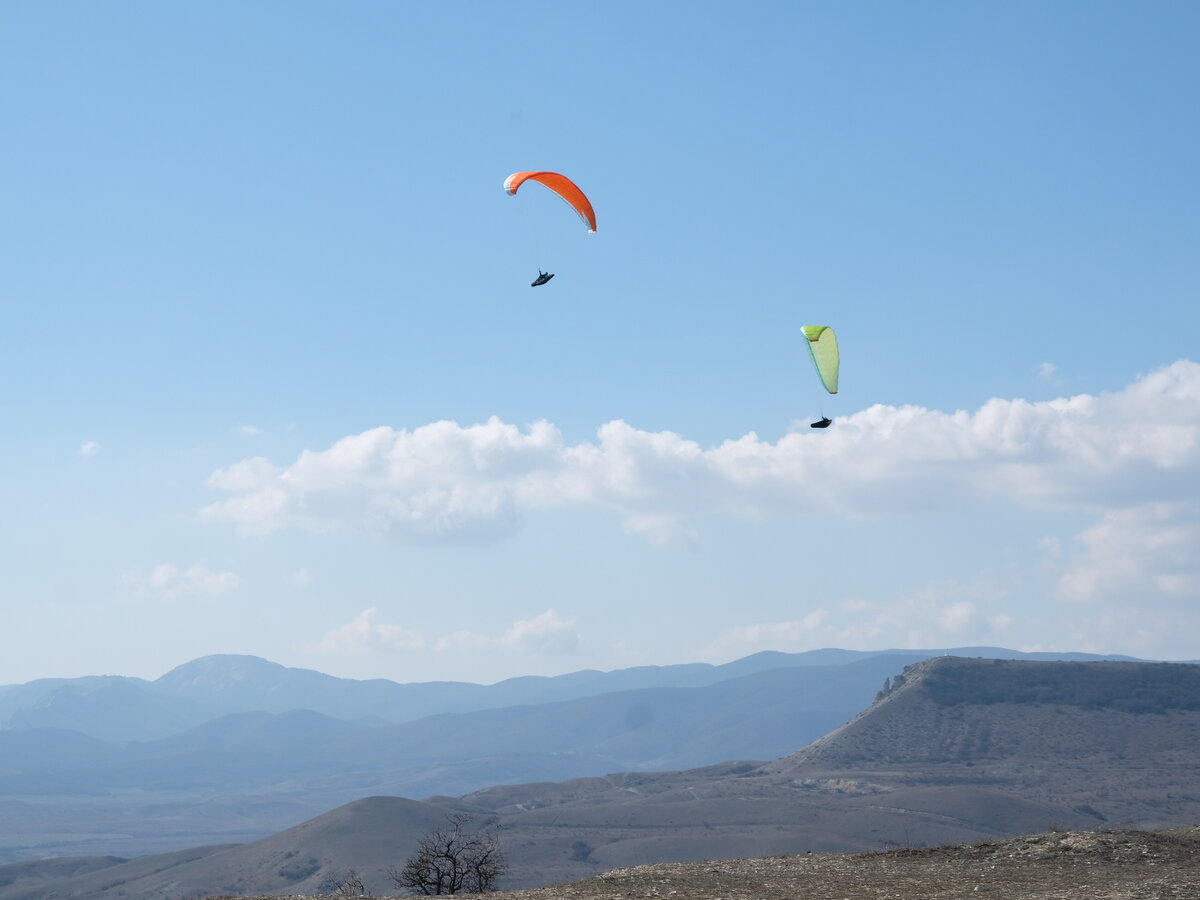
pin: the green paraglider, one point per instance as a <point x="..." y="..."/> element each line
<point x="822" y="345"/>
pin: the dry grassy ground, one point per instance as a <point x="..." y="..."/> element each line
<point x="1067" y="865"/>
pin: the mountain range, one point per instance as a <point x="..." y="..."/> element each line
<point x="951" y="750"/>
<point x="121" y="709"/>
<point x="234" y="748"/>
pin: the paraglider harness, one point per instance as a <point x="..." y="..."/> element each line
<point x="824" y="423"/>
<point x="542" y="278"/>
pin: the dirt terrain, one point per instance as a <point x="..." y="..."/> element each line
<point x="1060" y="865"/>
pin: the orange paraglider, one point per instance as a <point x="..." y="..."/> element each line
<point x="561" y="185"/>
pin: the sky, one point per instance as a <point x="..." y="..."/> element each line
<point x="274" y="381"/>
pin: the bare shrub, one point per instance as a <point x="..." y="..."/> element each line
<point x="452" y="861"/>
<point x="348" y="885"/>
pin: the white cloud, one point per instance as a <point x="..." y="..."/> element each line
<point x="791" y="636"/>
<point x="363" y="633"/>
<point x="440" y="482"/>
<point x="89" y="449"/>
<point x="1147" y="552"/>
<point x="547" y="633"/>
<point x="957" y="617"/>
<point x="943" y="613"/>
<point x="249" y="430"/>
<point x="168" y="582"/>
<point x="1128" y="584"/>
<point x="1048" y="371"/>
<point x="999" y="622"/>
<point x="666" y="532"/>
<point x="302" y="577"/>
<point x="447" y="483"/>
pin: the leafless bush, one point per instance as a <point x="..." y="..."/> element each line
<point x="452" y="861"/>
<point x="348" y="885"/>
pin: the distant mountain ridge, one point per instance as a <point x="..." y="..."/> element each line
<point x="241" y="774"/>
<point x="953" y="750"/>
<point x="302" y="752"/>
<point x="119" y="708"/>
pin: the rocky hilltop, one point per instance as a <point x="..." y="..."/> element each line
<point x="950" y="709"/>
<point x="1116" y="741"/>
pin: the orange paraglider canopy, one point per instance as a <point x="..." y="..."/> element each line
<point x="561" y="185"/>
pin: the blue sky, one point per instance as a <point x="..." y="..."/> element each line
<point x="275" y="382"/>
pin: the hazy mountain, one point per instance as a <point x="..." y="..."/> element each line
<point x="958" y="749"/>
<point x="51" y="749"/>
<point x="120" y="709"/>
<point x="251" y="773"/>
<point x="302" y="753"/>
<point x="114" y="709"/>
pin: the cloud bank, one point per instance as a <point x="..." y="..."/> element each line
<point x="364" y="632"/>
<point x="945" y="612"/>
<point x="548" y="633"/>
<point x="169" y="582"/>
<point x="446" y="483"/>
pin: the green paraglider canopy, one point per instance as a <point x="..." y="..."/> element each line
<point x="822" y="344"/>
